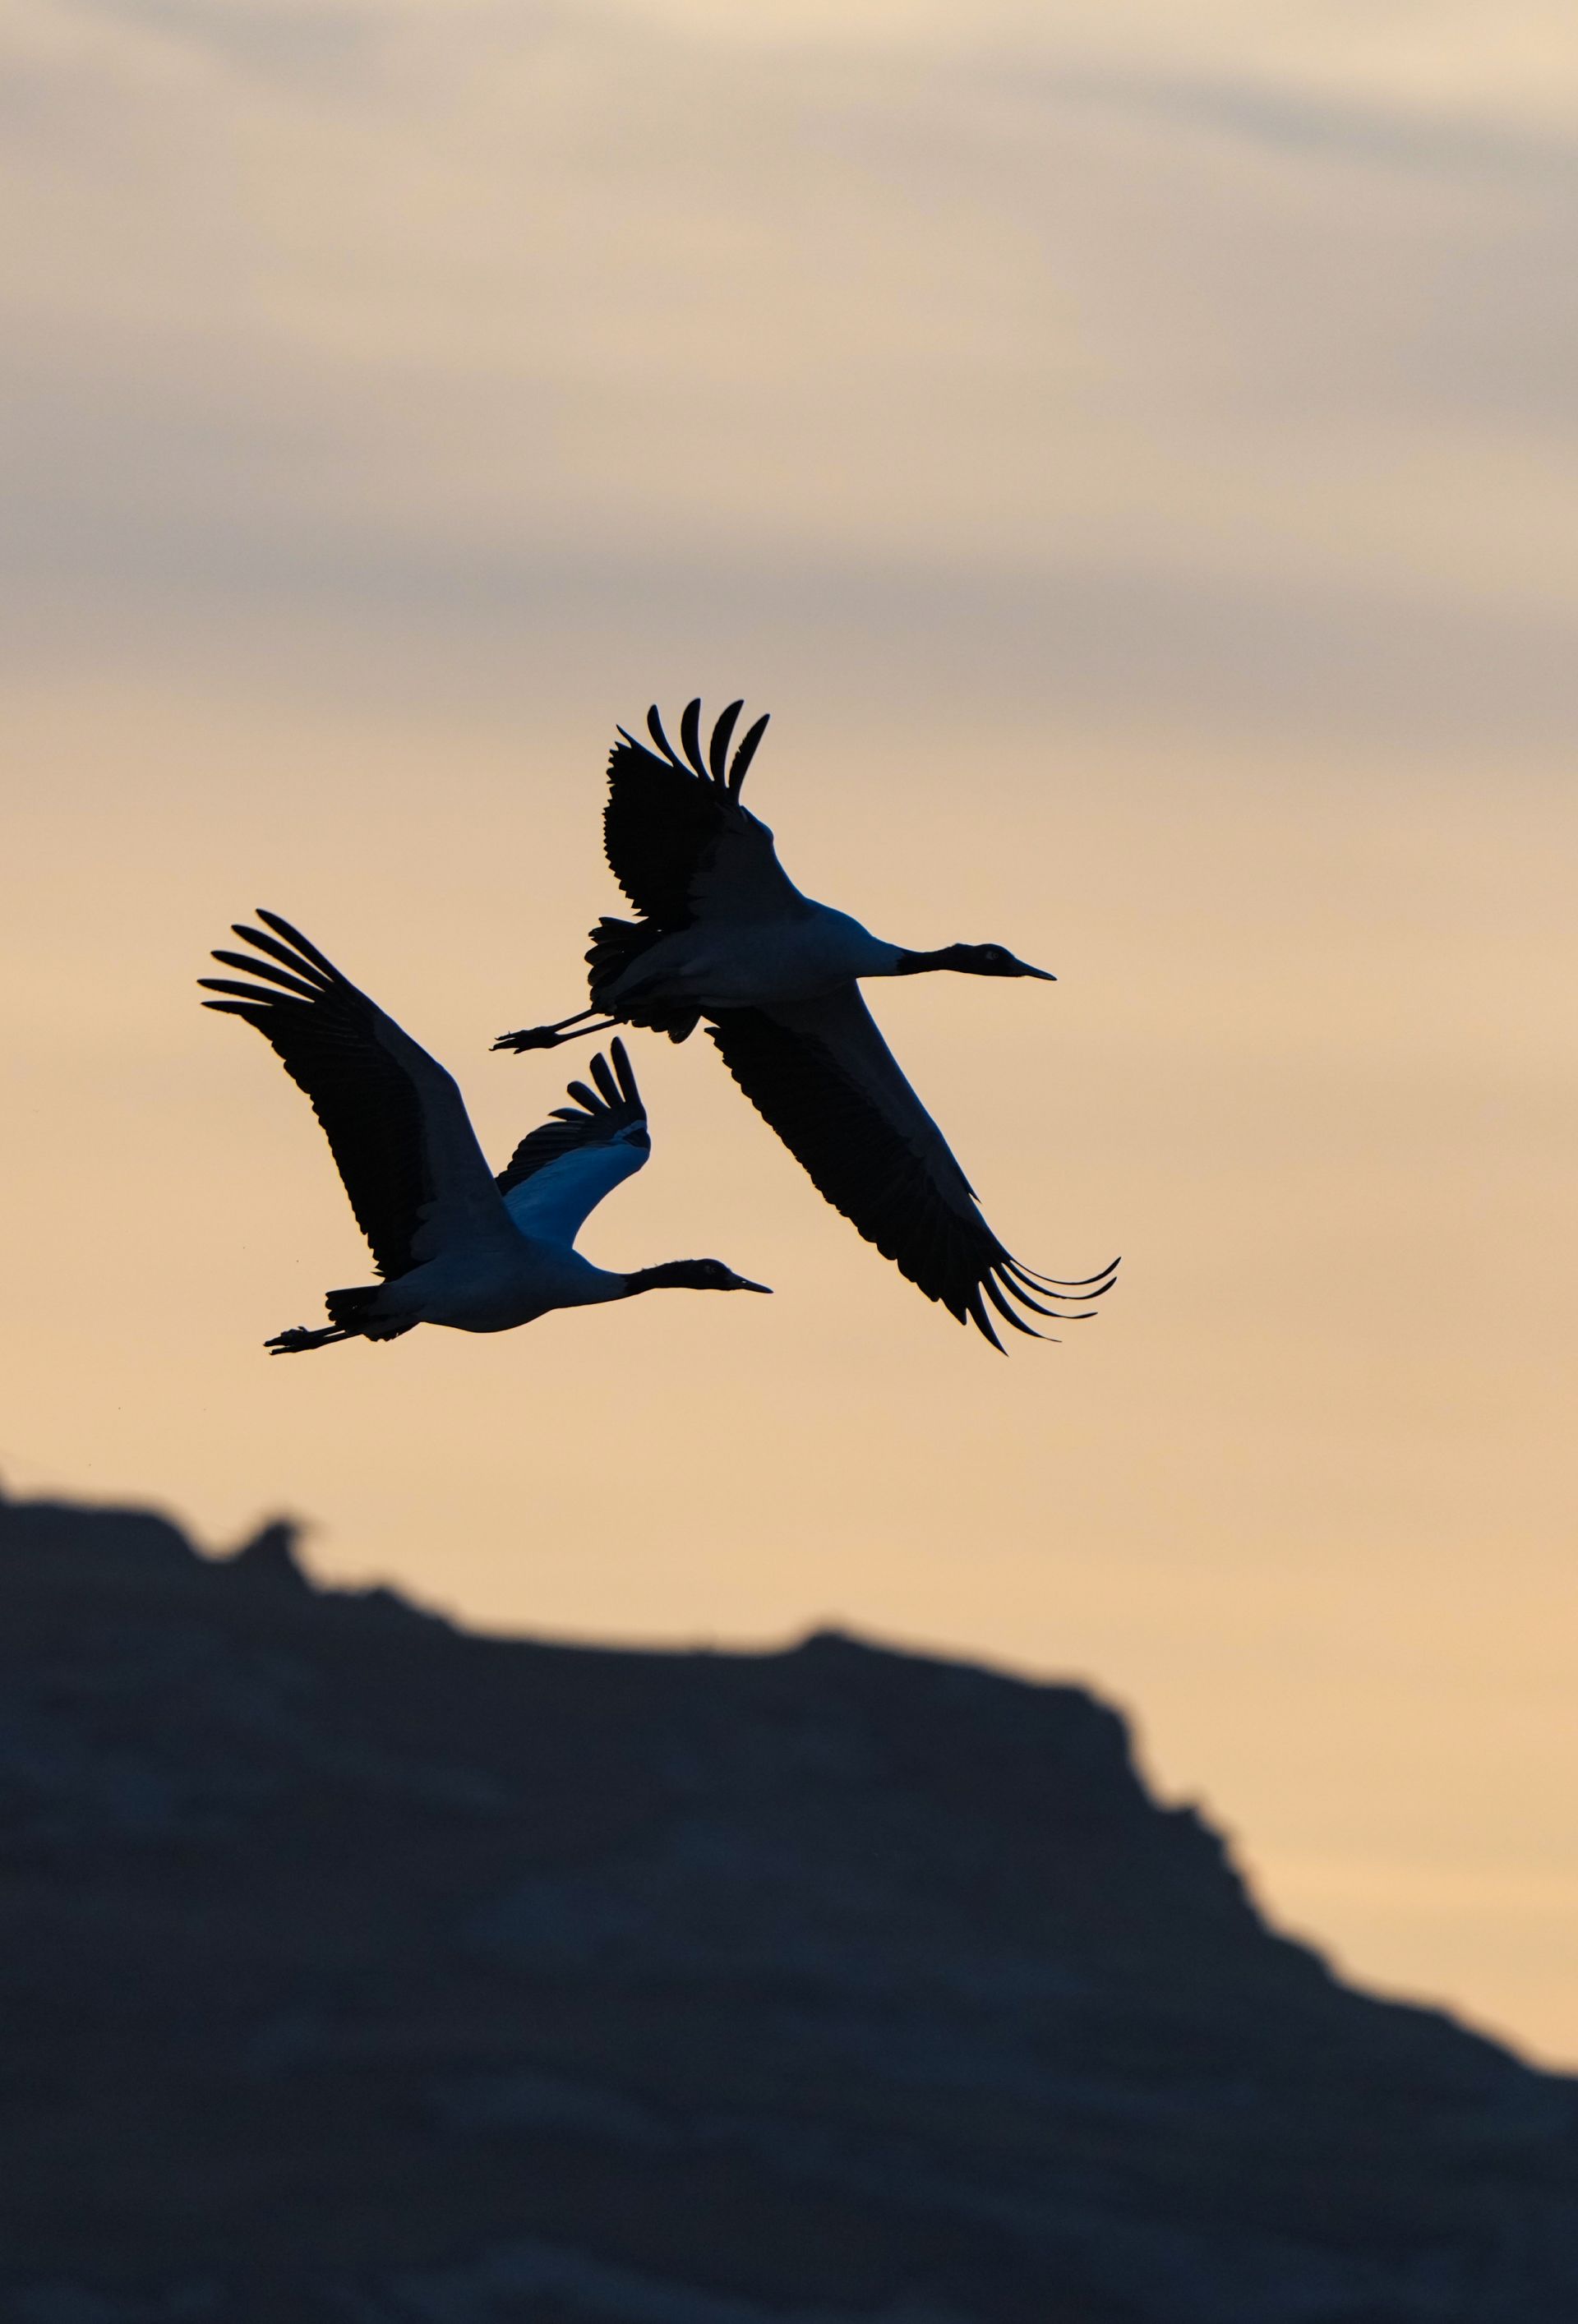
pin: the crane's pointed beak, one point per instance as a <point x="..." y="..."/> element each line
<point x="1044" y="975"/>
<point x="741" y="1283"/>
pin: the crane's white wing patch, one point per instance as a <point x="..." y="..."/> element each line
<point x="555" y="1201"/>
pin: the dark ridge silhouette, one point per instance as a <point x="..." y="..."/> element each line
<point x="355" y="1967"/>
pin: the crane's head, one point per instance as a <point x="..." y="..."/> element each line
<point x="977" y="960"/>
<point x="691" y="1275"/>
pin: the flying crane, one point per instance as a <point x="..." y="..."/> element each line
<point x="725" y="935"/>
<point x="453" y="1244"/>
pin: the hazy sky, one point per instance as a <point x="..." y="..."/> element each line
<point x="1133" y="451"/>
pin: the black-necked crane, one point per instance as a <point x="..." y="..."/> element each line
<point x="453" y="1244"/>
<point x="725" y="935"/>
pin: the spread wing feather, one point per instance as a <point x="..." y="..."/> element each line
<point x="395" y="1121"/>
<point x="822" y="1075"/>
<point x="678" y="840"/>
<point x="557" y="1176"/>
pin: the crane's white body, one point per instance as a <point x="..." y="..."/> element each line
<point x="725" y="959"/>
<point x="495" y="1284"/>
<point x="501" y="1264"/>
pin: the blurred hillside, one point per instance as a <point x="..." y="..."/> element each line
<point x="353" y="1968"/>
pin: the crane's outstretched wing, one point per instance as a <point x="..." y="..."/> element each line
<point x="558" y="1175"/>
<point x="821" y="1073"/>
<point x="677" y="838"/>
<point x="395" y="1121"/>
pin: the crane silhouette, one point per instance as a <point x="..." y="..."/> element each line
<point x="725" y="935"/>
<point x="453" y="1244"/>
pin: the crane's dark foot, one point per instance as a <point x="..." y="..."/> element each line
<point x="299" y="1338"/>
<point x="535" y="1037"/>
<point x="548" y="1036"/>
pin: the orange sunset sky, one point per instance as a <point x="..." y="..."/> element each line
<point x="1132" y="450"/>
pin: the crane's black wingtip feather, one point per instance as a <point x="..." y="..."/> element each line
<point x="722" y="735"/>
<point x="994" y="1293"/>
<point x="690" y="736"/>
<point x="272" y="921"/>
<point x="1018" y="1291"/>
<point x="293" y="937"/>
<point x="1063" y="1284"/>
<point x="1028" y="1291"/>
<point x="301" y="957"/>
<point x="655" y="729"/>
<point x="746" y="752"/>
<point x="259" y="995"/>
<point x="287" y="980"/>
<point x="629" y="1088"/>
<point x="975" y="1309"/>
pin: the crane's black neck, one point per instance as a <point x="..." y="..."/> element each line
<point x="672" y="1275"/>
<point x="915" y="963"/>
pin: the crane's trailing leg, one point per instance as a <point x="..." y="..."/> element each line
<point x="295" y="1341"/>
<point x="548" y="1036"/>
<point x="352" y="1316"/>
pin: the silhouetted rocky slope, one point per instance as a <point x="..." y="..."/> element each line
<point x="355" y="1968"/>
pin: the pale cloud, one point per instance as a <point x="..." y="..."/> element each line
<point x="610" y="273"/>
<point x="1452" y="62"/>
